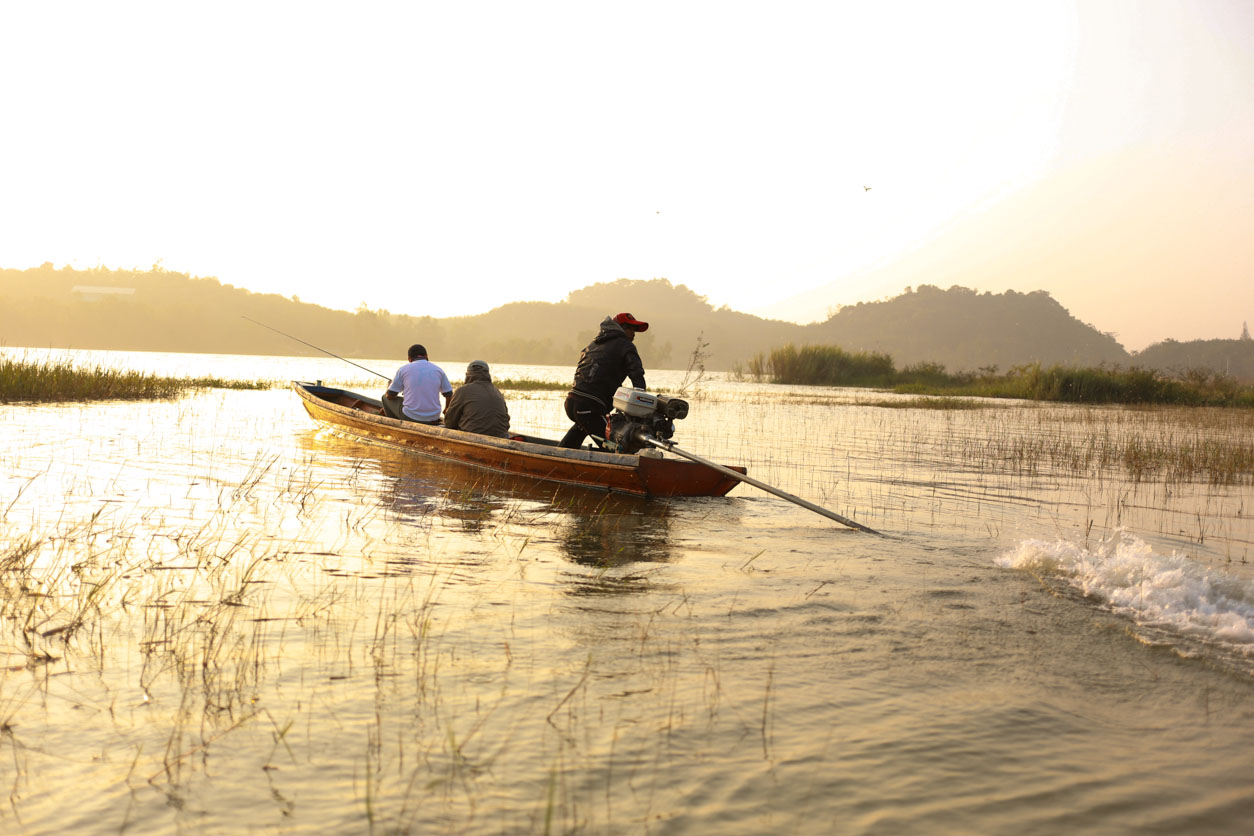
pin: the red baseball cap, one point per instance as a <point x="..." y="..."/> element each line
<point x="628" y="319"/>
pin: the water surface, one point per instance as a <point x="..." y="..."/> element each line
<point x="219" y="618"/>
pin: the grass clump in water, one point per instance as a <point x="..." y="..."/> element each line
<point x="823" y="365"/>
<point x="927" y="403"/>
<point x="1100" y="385"/>
<point x="833" y="366"/>
<point x="62" y="380"/>
<point x="526" y="384"/>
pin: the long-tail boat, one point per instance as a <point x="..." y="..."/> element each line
<point x="649" y="473"/>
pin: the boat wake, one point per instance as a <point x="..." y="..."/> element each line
<point x="1170" y="598"/>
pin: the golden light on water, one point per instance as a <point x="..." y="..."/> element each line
<point x="215" y="612"/>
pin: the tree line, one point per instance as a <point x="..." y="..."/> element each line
<point x="958" y="328"/>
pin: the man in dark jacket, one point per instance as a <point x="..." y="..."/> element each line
<point x="603" y="366"/>
<point x="477" y="405"/>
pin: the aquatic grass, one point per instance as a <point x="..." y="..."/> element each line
<point x="1215" y="446"/>
<point x="1091" y="385"/>
<point x="224" y="383"/>
<point x="940" y="403"/>
<point x="1134" y="386"/>
<point x="690" y="386"/>
<point x="527" y="384"/>
<point x="824" y="365"/>
<point x="61" y="379"/>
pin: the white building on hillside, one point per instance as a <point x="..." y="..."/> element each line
<point x="94" y="294"/>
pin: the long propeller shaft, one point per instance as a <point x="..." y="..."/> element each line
<point x="670" y="447"/>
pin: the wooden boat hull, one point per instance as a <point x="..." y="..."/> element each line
<point x="362" y="417"/>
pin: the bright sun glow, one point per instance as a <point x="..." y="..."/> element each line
<point x="443" y="159"/>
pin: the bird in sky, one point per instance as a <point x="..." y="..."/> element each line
<point x="866" y="188"/>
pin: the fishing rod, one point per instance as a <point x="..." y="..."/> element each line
<point x="315" y="348"/>
<point x="669" y="446"/>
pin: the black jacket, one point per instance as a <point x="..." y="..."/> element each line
<point x="606" y="362"/>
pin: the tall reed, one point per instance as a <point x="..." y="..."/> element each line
<point x="62" y="380"/>
<point x="1099" y="385"/>
<point x="819" y="365"/>
<point x="823" y="365"/>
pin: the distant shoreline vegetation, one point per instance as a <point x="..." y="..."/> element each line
<point x="44" y="381"/>
<point x="51" y="380"/>
<point x="820" y="365"/>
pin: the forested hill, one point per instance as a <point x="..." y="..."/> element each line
<point x="159" y="310"/>
<point x="962" y="329"/>
<point x="1234" y="358"/>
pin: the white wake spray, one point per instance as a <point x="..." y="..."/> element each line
<point x="1166" y="591"/>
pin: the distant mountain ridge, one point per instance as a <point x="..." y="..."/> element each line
<point x="160" y="310"/>
<point x="963" y="329"/>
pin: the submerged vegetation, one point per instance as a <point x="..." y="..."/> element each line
<point x="62" y="380"/>
<point x="1165" y="445"/>
<point x="833" y="366"/>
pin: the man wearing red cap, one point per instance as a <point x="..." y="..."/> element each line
<point x="604" y="364"/>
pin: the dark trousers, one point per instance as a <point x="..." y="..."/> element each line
<point x="589" y="417"/>
<point x="392" y="409"/>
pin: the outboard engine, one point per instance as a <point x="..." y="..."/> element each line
<point x="638" y="412"/>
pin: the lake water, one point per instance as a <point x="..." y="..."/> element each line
<point x="217" y="617"/>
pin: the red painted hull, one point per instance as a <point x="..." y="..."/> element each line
<point x="361" y="417"/>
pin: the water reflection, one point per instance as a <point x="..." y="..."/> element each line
<point x="617" y="532"/>
<point x="608" y="544"/>
<point x="596" y="530"/>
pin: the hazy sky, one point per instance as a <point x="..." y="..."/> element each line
<point x="445" y="158"/>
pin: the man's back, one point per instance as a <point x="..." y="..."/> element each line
<point x="478" y="407"/>
<point x="421" y="382"/>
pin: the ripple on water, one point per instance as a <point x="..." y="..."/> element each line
<point x="244" y="618"/>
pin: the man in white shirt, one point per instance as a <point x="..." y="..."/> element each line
<point x="422" y="383"/>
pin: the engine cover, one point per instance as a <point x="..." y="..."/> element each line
<point x="635" y="402"/>
<point x="639" y="413"/>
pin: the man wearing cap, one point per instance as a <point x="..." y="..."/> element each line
<point x="603" y="365"/>
<point x="422" y="383"/>
<point x="477" y="405"/>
